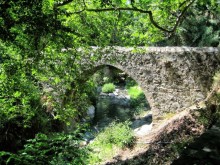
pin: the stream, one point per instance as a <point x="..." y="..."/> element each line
<point x="117" y="106"/>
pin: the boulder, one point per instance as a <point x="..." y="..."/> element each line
<point x="91" y="112"/>
<point x="143" y="130"/>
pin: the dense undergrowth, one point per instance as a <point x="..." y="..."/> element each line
<point x="61" y="148"/>
<point x="53" y="149"/>
<point x="114" y="137"/>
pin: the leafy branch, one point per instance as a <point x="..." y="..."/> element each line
<point x="135" y="9"/>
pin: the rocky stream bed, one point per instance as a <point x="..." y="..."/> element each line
<point x="205" y="150"/>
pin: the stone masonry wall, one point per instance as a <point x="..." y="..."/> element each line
<point x="172" y="78"/>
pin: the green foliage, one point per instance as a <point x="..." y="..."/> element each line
<point x="122" y="27"/>
<point x="47" y="6"/>
<point x="24" y="111"/>
<point x="135" y="92"/>
<point x="130" y="83"/>
<point x="18" y="94"/>
<point x="34" y="25"/>
<point x="137" y="97"/>
<point x="54" y="149"/>
<point x="108" y="88"/>
<point x="21" y="115"/>
<point x="97" y="78"/>
<point x="106" y="143"/>
<point x="106" y="79"/>
<point x="200" y="26"/>
<point x="119" y="134"/>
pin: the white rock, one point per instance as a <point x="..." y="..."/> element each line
<point x="143" y="130"/>
<point x="111" y="94"/>
<point x="115" y="93"/>
<point x="91" y="111"/>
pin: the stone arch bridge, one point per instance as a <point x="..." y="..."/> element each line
<point x="172" y="78"/>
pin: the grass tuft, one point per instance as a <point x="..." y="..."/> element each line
<point x="108" y="88"/>
<point x="112" y="138"/>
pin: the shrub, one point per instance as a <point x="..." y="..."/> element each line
<point x="108" y="88"/>
<point x="119" y="134"/>
<point x="116" y="135"/>
<point x="56" y="149"/>
<point x="21" y="113"/>
<point x="135" y="92"/>
<point x="137" y="97"/>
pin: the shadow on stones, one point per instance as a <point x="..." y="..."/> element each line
<point x="204" y="151"/>
<point x="142" y="121"/>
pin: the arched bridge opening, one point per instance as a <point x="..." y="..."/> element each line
<point x="118" y="97"/>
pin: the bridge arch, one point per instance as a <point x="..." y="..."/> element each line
<point x="172" y="78"/>
<point x="129" y="73"/>
<point x="118" y="105"/>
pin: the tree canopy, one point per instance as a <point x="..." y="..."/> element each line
<point x="35" y="24"/>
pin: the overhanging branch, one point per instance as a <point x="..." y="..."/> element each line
<point x="132" y="9"/>
<point x="135" y="9"/>
<point x="181" y="15"/>
<point x="178" y="20"/>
